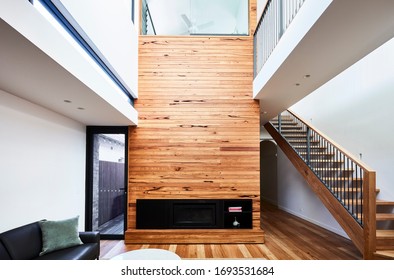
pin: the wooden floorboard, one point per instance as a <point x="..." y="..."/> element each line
<point x="286" y="238"/>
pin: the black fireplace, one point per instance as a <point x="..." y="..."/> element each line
<point x="179" y="213"/>
<point x="193" y="213"/>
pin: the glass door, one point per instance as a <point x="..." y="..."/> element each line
<point x="106" y="181"/>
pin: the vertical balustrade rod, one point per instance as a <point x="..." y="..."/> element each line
<point x="355" y="190"/>
<point x="353" y="184"/>
<point x="281" y="18"/>
<point x="340" y="184"/>
<point x="280" y="123"/>
<point x="362" y="194"/>
<point x="343" y="182"/>
<point x="308" y="145"/>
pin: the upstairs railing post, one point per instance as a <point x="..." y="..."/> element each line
<point x="281" y="18"/>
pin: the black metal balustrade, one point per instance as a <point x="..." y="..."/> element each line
<point x="338" y="171"/>
<point x="275" y="19"/>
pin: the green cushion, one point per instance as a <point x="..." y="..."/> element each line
<point x="59" y="234"/>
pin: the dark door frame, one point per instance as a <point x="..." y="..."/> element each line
<point x="90" y="131"/>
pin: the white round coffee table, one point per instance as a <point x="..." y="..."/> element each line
<point x="147" y="254"/>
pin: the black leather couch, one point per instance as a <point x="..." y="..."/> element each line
<point x="25" y="243"/>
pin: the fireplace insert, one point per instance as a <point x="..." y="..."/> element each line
<point x="193" y="213"/>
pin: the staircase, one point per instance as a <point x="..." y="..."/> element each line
<point x="385" y="230"/>
<point x="345" y="185"/>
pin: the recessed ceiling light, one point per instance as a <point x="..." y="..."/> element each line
<point x="81" y="108"/>
<point x="297" y="84"/>
<point x="67" y="101"/>
<point x="307" y="76"/>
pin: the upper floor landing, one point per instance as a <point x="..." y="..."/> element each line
<point x="302" y="44"/>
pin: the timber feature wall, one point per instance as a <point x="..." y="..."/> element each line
<point x="198" y="132"/>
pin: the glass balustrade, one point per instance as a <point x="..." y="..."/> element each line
<point x="195" y="17"/>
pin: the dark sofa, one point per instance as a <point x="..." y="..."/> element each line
<point x="25" y="243"/>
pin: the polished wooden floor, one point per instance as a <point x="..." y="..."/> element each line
<point x="287" y="238"/>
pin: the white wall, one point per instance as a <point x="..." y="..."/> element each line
<point x="42" y="164"/>
<point x="355" y="109"/>
<point x="109" y="27"/>
<point x="295" y="196"/>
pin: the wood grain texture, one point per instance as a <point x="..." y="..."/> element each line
<point x="195" y="236"/>
<point x="198" y="132"/>
<point x="369" y="212"/>
<point x="287" y="237"/>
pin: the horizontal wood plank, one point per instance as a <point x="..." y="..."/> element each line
<point x="195" y="236"/>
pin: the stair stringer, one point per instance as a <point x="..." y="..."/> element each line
<point x="352" y="228"/>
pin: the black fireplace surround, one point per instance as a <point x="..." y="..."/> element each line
<point x="192" y="213"/>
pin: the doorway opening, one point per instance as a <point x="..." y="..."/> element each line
<point x="106" y="180"/>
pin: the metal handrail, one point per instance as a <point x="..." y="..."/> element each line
<point x="275" y="19"/>
<point x="340" y="172"/>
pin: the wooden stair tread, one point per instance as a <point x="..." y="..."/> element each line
<point x="316" y="154"/>
<point x="334" y="169"/>
<point x="385" y="234"/>
<point x="341" y="179"/>
<point x="384" y="216"/>
<point x="291" y="126"/>
<point x="326" y="160"/>
<point x="384" y="203"/>
<point x="283" y="118"/>
<point x="347" y="189"/>
<point x="312" y="147"/>
<point x="295" y="135"/>
<point x="304" y="141"/>
<point x="389" y="254"/>
<point x="352" y="201"/>
<point x="294" y="132"/>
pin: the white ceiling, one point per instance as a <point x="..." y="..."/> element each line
<point x="27" y="72"/>
<point x="345" y="33"/>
